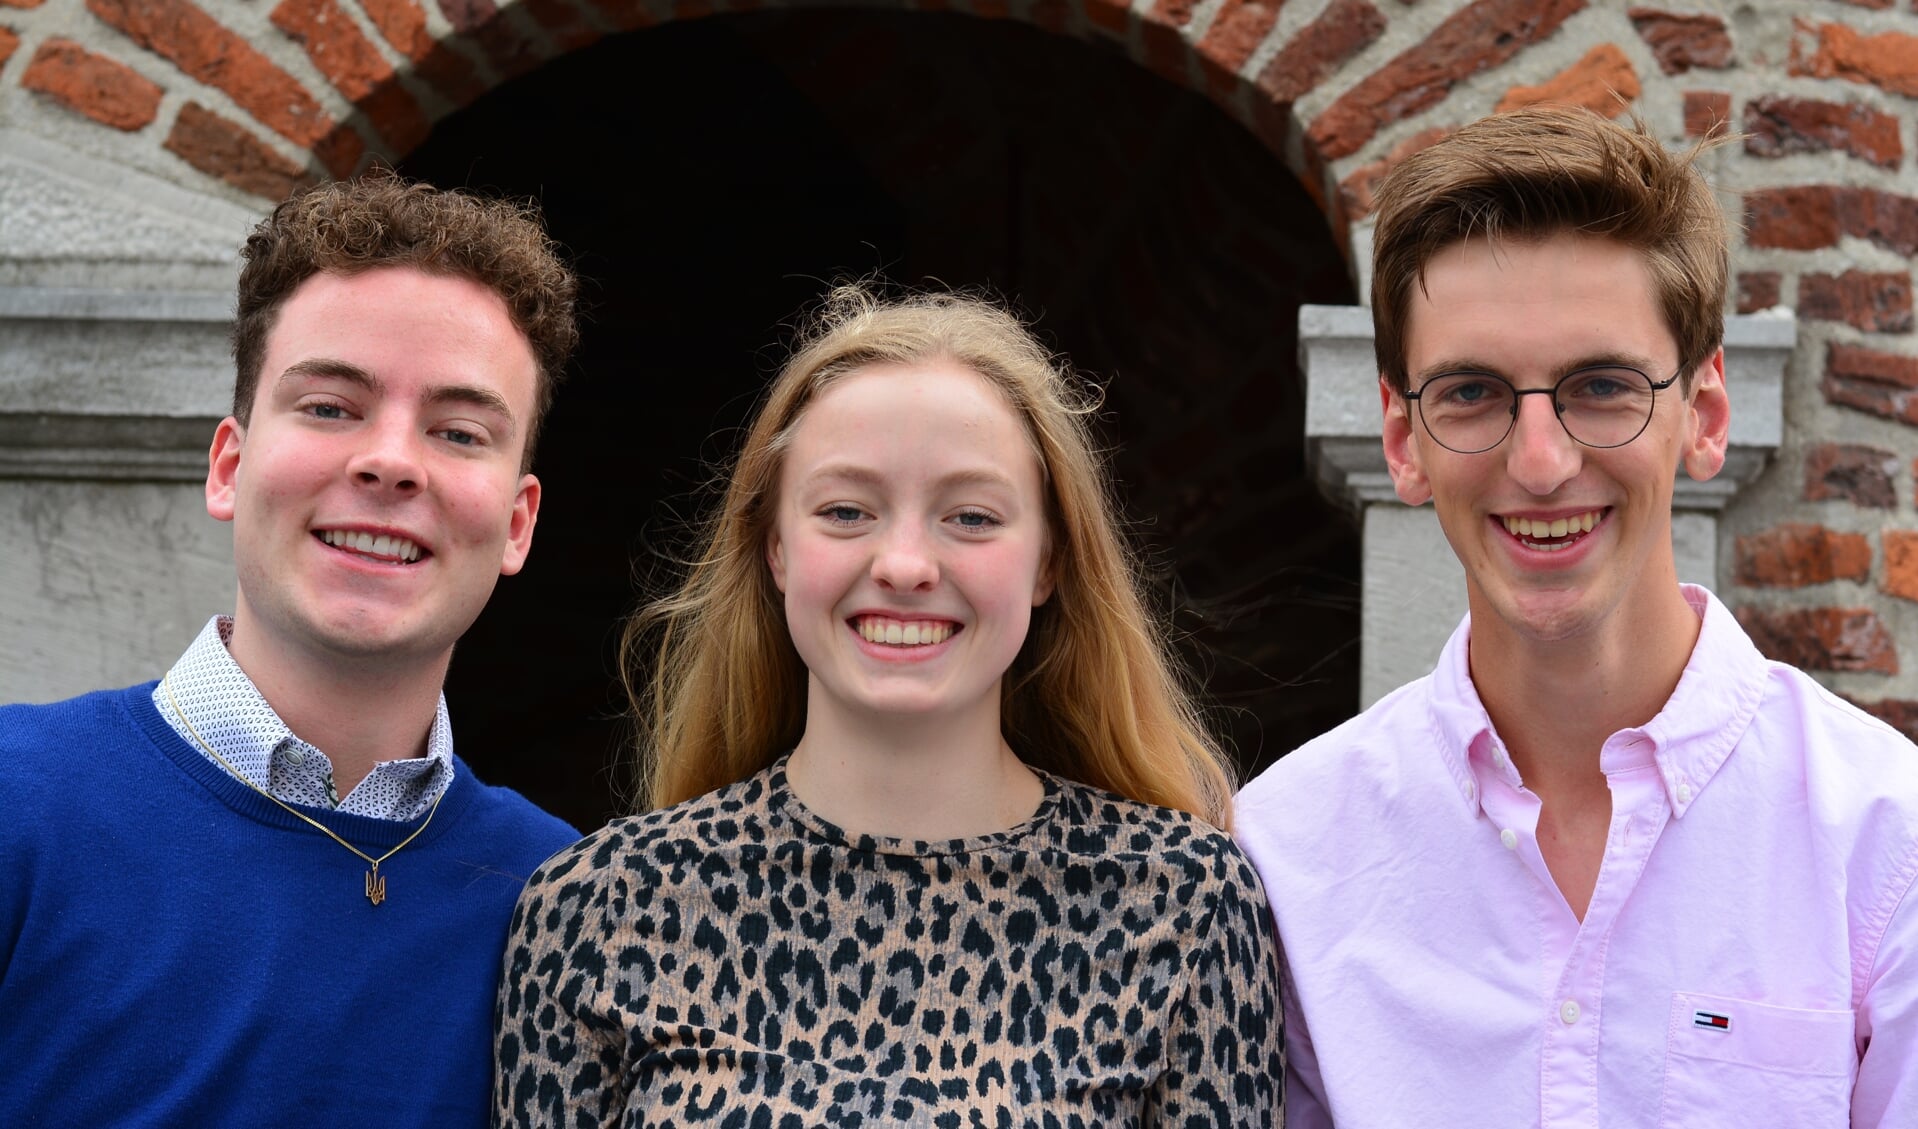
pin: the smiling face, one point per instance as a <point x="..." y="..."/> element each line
<point x="909" y="541"/>
<point x="1557" y="539"/>
<point x="375" y="493"/>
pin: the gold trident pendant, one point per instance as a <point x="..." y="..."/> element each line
<point x="375" y="885"/>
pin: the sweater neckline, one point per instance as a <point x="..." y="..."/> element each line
<point x="365" y="832"/>
<point x="782" y="800"/>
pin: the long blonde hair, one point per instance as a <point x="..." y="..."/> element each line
<point x="1093" y="695"/>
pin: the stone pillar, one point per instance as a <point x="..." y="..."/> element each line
<point x="1413" y="588"/>
<point x="116" y="296"/>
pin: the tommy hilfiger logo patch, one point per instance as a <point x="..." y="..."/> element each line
<point x="1711" y="1021"/>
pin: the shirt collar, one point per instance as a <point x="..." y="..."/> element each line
<point x="1713" y="704"/>
<point x="225" y="709"/>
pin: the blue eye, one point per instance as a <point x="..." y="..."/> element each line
<point x="460" y="438"/>
<point x="975" y="520"/>
<point x="842" y="515"/>
<point x="328" y="411"/>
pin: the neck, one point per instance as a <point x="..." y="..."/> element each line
<point x="1555" y="702"/>
<point x="925" y="777"/>
<point x="358" y="710"/>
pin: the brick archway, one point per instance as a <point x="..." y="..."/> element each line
<point x="203" y="110"/>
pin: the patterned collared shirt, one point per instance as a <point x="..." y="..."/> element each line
<point x="228" y="713"/>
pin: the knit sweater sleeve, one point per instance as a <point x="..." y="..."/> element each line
<point x="1225" y="1040"/>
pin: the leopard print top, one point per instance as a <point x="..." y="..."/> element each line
<point x="736" y="961"/>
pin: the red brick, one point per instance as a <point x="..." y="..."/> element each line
<point x="1237" y="29"/>
<point x="1900" y="714"/>
<point x="1757" y="290"/>
<point x="570" y="30"/>
<point x="1602" y="81"/>
<point x="355" y="68"/>
<point x="341" y="151"/>
<point x="1707" y="112"/>
<point x="1475" y="38"/>
<point x="1360" y="189"/>
<point x="1162" y="45"/>
<point x="1851" y="472"/>
<point x="1878" y="5"/>
<point x="9" y="43"/>
<point x="1776" y="125"/>
<point x="1874" y="301"/>
<point x="1171" y="13"/>
<point x="1113" y="15"/>
<point x="512" y="53"/>
<point x="1345" y="28"/>
<point x="107" y="91"/>
<point x="229" y="151"/>
<point x="1797" y="218"/>
<point x="208" y="52"/>
<point x="626" y="15"/>
<point x="1885" y="218"/>
<point x="402" y="23"/>
<point x="1822" y="638"/>
<point x="1888" y="60"/>
<point x="1884" y="384"/>
<point x="21" y="3"/>
<point x="1901" y="563"/>
<point x="1795" y="555"/>
<point x="1682" y="40"/>
<point x="451" y="73"/>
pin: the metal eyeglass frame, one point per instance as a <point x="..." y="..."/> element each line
<point x="1558" y="409"/>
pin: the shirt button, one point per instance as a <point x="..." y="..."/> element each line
<point x="1684" y="793"/>
<point x="295" y="756"/>
<point x="1568" y="1011"/>
<point x="1470" y="791"/>
<point x="1509" y="838"/>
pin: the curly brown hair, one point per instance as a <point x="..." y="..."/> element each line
<point x="381" y="219"/>
<point x="1541" y="170"/>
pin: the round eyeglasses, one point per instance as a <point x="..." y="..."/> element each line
<point x="1602" y="406"/>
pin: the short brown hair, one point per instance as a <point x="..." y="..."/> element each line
<point x="380" y="219"/>
<point x="1540" y="171"/>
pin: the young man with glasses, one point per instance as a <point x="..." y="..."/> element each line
<point x="1606" y="865"/>
<point x="262" y="890"/>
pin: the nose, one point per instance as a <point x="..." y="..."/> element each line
<point x="904" y="560"/>
<point x="1540" y="454"/>
<point x="389" y="459"/>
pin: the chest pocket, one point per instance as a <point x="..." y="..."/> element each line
<point x="1739" y="1064"/>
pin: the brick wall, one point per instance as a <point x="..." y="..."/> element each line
<point x="249" y="100"/>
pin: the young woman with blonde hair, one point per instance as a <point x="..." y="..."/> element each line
<point x="938" y="838"/>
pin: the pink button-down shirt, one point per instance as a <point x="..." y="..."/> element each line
<point x="1749" y="958"/>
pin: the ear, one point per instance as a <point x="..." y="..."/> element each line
<point x="1048" y="575"/>
<point x="1707" y="420"/>
<point x="1401" y="446"/>
<point x="776" y="558"/>
<point x="519" y="531"/>
<point x="223" y="468"/>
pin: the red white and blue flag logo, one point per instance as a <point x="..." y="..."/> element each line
<point x="1711" y="1021"/>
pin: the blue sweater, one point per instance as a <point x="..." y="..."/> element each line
<point x="176" y="950"/>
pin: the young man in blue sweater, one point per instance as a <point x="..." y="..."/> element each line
<point x="263" y="890"/>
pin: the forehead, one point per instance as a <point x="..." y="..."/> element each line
<point x="1535" y="303"/>
<point x="912" y="422"/>
<point x="404" y="325"/>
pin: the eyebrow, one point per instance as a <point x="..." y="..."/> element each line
<point x="1590" y="360"/>
<point x="328" y="368"/>
<point x="866" y="476"/>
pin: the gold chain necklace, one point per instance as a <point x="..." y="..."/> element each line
<point x="375" y="881"/>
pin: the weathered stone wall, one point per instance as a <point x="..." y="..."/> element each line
<point x="239" y="102"/>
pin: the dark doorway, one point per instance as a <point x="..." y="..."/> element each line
<point x="712" y="177"/>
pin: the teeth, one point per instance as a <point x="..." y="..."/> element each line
<point x="1558" y="527"/>
<point x="895" y="632"/>
<point x="383" y="545"/>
